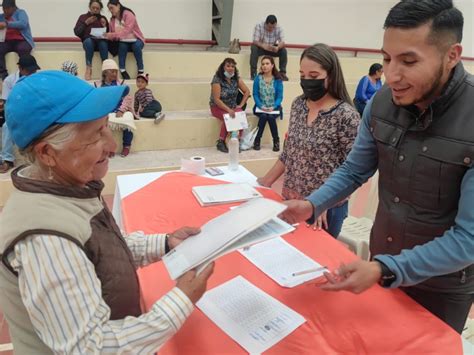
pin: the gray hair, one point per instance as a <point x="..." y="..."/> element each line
<point x="56" y="136"/>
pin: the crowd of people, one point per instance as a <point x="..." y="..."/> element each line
<point x="416" y="130"/>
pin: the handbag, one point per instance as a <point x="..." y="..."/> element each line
<point x="234" y="46"/>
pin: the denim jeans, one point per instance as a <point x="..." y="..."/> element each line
<point x="136" y="48"/>
<point x="127" y="138"/>
<point x="335" y="217"/>
<point x="151" y="109"/>
<point x="90" y="45"/>
<point x="7" y="145"/>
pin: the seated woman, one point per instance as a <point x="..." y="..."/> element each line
<point x="68" y="276"/>
<point x="18" y="36"/>
<point x="125" y="30"/>
<point x="268" y="95"/>
<point x="323" y="126"/>
<point x="85" y="23"/>
<point x="109" y="78"/>
<point x="225" y="87"/>
<point x="368" y="86"/>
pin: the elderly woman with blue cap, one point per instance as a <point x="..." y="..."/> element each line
<point x="68" y="276"/>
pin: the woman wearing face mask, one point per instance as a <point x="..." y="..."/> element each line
<point x="323" y="126"/>
<point x="225" y="87"/>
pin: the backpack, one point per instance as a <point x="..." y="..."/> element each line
<point x="234" y="46"/>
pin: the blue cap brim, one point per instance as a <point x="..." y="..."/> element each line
<point x="96" y="104"/>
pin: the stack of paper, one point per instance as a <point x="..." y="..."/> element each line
<point x="222" y="235"/>
<point x="254" y="319"/>
<point x="282" y="262"/>
<point x="224" y="193"/>
<point x="275" y="112"/>
<point x="236" y="123"/>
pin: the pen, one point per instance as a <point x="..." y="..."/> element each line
<point x="295" y="224"/>
<point x="309" y="271"/>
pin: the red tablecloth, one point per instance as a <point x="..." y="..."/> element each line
<point x="378" y="321"/>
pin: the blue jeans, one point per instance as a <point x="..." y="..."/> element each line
<point x="127" y="138"/>
<point x="7" y="145"/>
<point x="136" y="48"/>
<point x="335" y="217"/>
<point x="90" y="45"/>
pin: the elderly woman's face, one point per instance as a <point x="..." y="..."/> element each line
<point x="86" y="157"/>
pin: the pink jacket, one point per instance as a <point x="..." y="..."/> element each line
<point x="130" y="27"/>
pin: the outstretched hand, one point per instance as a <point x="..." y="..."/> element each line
<point x="355" y="277"/>
<point x="297" y="211"/>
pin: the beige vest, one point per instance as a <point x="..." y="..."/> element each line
<point x="79" y="215"/>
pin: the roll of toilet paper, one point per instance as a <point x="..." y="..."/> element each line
<point x="193" y="165"/>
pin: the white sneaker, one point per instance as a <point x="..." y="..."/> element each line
<point x="159" y="117"/>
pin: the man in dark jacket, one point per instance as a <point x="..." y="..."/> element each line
<point x="418" y="131"/>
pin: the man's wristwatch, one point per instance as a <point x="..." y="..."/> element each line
<point x="388" y="277"/>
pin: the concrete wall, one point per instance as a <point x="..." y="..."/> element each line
<point x="348" y="23"/>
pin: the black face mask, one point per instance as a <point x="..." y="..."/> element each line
<point x="313" y="89"/>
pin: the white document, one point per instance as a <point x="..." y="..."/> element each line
<point x="224" y="193"/>
<point x="251" y="317"/>
<point x="219" y="234"/>
<point x="236" y="123"/>
<point x="280" y="260"/>
<point x="257" y="110"/>
<point x="98" y="32"/>
<point x="3" y="33"/>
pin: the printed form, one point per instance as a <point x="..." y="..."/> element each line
<point x="251" y="317"/>
<point x="280" y="260"/>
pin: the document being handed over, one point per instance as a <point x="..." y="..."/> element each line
<point x="248" y="315"/>
<point x="222" y="235"/>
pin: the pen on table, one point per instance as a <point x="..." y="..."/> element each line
<point x="309" y="271"/>
<point x="295" y="224"/>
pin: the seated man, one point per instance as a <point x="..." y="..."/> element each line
<point x="268" y="40"/>
<point x="18" y="36"/>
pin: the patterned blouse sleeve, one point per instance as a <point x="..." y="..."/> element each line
<point x="349" y="127"/>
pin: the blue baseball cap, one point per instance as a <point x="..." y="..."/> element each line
<point x="54" y="97"/>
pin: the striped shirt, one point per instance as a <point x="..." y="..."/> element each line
<point x="142" y="99"/>
<point x="62" y="295"/>
<point x="260" y="34"/>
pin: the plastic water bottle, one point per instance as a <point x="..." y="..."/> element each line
<point x="234" y="152"/>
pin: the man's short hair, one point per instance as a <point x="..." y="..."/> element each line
<point x="446" y="20"/>
<point x="271" y="19"/>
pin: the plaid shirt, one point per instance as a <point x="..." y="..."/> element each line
<point x="262" y="35"/>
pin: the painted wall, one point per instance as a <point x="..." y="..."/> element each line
<point x="349" y="23"/>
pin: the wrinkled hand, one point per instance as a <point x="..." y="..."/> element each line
<point x="181" y="234"/>
<point x="194" y="285"/>
<point x="297" y="211"/>
<point x="264" y="182"/>
<point x="355" y="277"/>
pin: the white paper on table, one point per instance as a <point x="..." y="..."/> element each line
<point x="236" y="123"/>
<point x="98" y="32"/>
<point x="279" y="260"/>
<point x="3" y="33"/>
<point x="257" y="110"/>
<point x="210" y="195"/>
<point x="218" y="235"/>
<point x="251" y="317"/>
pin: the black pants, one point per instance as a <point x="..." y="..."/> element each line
<point x="151" y="109"/>
<point x="263" y="118"/>
<point x="451" y="308"/>
<point x="255" y="52"/>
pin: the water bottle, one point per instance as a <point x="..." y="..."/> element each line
<point x="234" y="152"/>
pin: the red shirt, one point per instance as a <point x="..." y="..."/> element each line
<point x="12" y="33"/>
